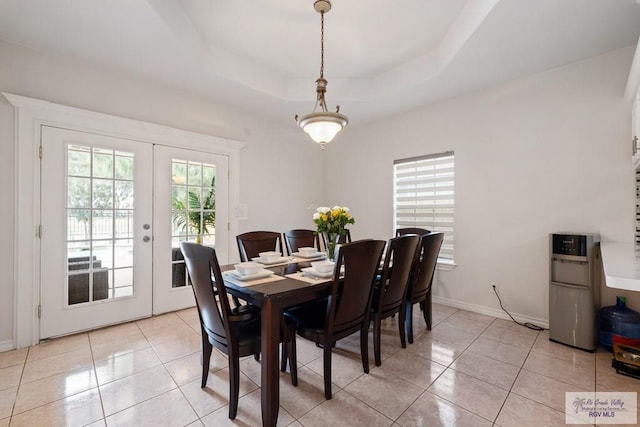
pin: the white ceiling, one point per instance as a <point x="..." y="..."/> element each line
<point x="381" y="56"/>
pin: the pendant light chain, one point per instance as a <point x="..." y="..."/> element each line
<point x="322" y="44"/>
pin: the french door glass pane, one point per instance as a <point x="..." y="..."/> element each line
<point x="100" y="200"/>
<point x="193" y="211"/>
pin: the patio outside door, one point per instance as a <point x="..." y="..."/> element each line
<point x="96" y="247"/>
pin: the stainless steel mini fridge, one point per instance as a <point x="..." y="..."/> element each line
<point x="574" y="289"/>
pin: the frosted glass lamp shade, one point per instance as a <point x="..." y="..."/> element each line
<point x="322" y="127"/>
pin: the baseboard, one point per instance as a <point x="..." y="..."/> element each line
<point x="7" y="345"/>
<point x="489" y="311"/>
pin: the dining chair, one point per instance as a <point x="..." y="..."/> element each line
<point x="295" y="239"/>
<point x="412" y="230"/>
<point x="345" y="311"/>
<point x="389" y="295"/>
<point x="420" y="284"/>
<point x="234" y="331"/>
<point x="251" y="243"/>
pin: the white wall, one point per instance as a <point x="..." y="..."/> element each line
<point x="273" y="155"/>
<point x="549" y="152"/>
<point x="540" y="154"/>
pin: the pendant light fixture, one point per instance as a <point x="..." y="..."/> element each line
<point x="322" y="125"/>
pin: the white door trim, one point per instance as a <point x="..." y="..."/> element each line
<point x="30" y="115"/>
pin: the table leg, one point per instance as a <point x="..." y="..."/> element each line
<point x="270" y="392"/>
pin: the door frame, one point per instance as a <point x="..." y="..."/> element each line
<point x="30" y="115"/>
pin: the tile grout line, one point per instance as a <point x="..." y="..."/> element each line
<point x="95" y="373"/>
<point x="24" y="366"/>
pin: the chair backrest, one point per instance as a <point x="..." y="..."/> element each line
<point x="425" y="265"/>
<point x="250" y="244"/>
<point x="350" y="299"/>
<point x="201" y="262"/>
<point x="346" y="238"/>
<point x="294" y="239"/>
<point x="398" y="262"/>
<point x="411" y="230"/>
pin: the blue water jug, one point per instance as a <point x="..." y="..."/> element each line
<point x="618" y="320"/>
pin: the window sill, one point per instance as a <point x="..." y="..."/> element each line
<point x="446" y="265"/>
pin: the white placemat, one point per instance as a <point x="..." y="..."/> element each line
<point x="230" y="278"/>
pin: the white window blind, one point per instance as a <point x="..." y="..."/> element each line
<point x="424" y="196"/>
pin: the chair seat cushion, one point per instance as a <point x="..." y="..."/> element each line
<point x="248" y="333"/>
<point x="245" y="312"/>
<point x="311" y="315"/>
<point x="245" y="309"/>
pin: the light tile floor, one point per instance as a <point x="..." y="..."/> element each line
<point x="470" y="370"/>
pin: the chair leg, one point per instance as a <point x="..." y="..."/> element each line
<point x="234" y="383"/>
<point x="401" y="326"/>
<point x="409" y="321"/>
<point x="207" y="348"/>
<point x="377" y="323"/>
<point x="426" y="305"/>
<point x="293" y="359"/>
<point x="283" y="358"/>
<point x="364" y="346"/>
<point x="327" y="369"/>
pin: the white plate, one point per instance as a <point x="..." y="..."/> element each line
<point x="259" y="275"/>
<point x="277" y="261"/>
<point x="315" y="273"/>
<point x="310" y="256"/>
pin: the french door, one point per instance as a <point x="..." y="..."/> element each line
<point x="113" y="213"/>
<point x="96" y="250"/>
<point x="190" y="204"/>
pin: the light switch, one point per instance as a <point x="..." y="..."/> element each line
<point x="240" y="211"/>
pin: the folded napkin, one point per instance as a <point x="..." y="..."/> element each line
<point x="285" y="261"/>
<point x="304" y="278"/>
<point x="320" y="256"/>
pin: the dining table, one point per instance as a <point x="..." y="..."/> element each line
<point x="287" y="287"/>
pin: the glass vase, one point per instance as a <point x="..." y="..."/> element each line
<point x="332" y="240"/>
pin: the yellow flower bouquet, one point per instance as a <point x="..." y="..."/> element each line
<point x="332" y="222"/>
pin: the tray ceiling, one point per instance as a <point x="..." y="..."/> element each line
<point x="381" y="57"/>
